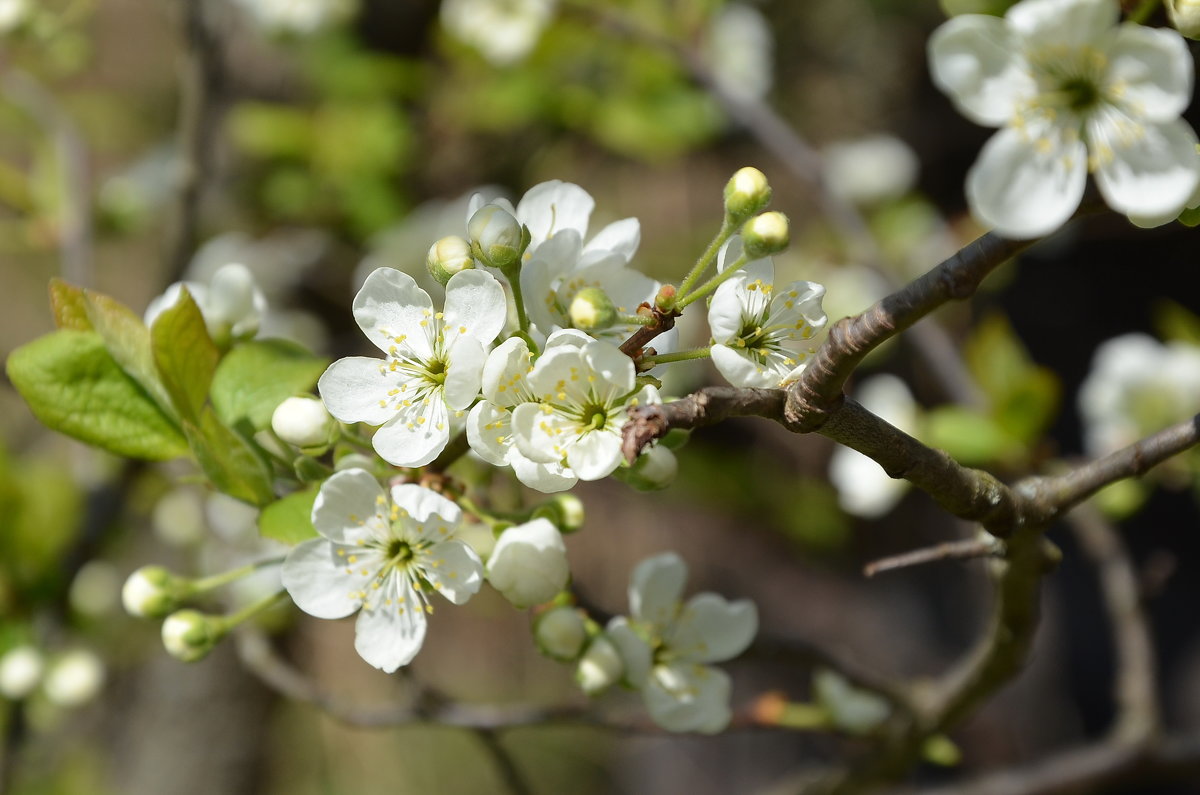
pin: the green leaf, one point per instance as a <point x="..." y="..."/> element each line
<point x="969" y="437"/>
<point x="184" y="355"/>
<point x="1023" y="396"/>
<point x="256" y="377"/>
<point x="69" y="306"/>
<point x="74" y="386"/>
<point x="1176" y="324"/>
<point x="128" y="340"/>
<point x="230" y="462"/>
<point x="290" y="520"/>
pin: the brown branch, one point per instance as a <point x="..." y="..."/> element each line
<point x="708" y="406"/>
<point x="966" y="549"/>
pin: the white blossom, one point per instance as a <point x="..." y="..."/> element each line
<point x="1136" y="386"/>
<point x="529" y="563"/>
<point x="761" y="336"/>
<point x="666" y="646"/>
<point x="379" y="555"/>
<point x="12" y="14"/>
<point x="870" y="170"/>
<point x="433" y="363"/>
<point x="504" y="31"/>
<point x="74" y="678"/>
<point x="583" y="393"/>
<point x="1072" y="92"/>
<point x="740" y="49"/>
<point x="231" y="303"/>
<point x="864" y="488"/>
<point x="294" y="16"/>
<point x="21" y="670"/>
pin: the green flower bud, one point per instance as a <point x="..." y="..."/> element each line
<point x="653" y="470"/>
<point x="765" y="234"/>
<point x="565" y="511"/>
<point x="305" y="423"/>
<point x="600" y="667"/>
<point x="449" y="256"/>
<point x="560" y="633"/>
<point x="746" y="193"/>
<point x="190" y="635"/>
<point x="153" y="592"/>
<point x="592" y="310"/>
<point x="1185" y="16"/>
<point x="664" y="300"/>
<point x="497" y="238"/>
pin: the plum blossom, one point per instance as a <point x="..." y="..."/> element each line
<point x="761" y="335"/>
<point x="231" y="303"/>
<point x="666" y="644"/>
<point x="583" y="393"/>
<point x="1072" y="92"/>
<point x="379" y="555"/>
<point x="864" y="488"/>
<point x="504" y="31"/>
<point x="433" y="363"/>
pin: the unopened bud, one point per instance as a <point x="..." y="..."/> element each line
<point x="746" y="193"/>
<point x="234" y="304"/>
<point x="1185" y="16"/>
<point x="20" y="671"/>
<point x="496" y="236"/>
<point x="449" y="256"/>
<point x="765" y="234"/>
<point x="664" y="300"/>
<point x="354" y="461"/>
<point x="74" y="679"/>
<point x="600" y="667"/>
<point x="190" y="635"/>
<point x="653" y="470"/>
<point x="153" y="592"/>
<point x="560" y="633"/>
<point x="529" y="563"/>
<point x="592" y="310"/>
<point x="565" y="511"/>
<point x="304" y="422"/>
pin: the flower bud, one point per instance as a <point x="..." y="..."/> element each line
<point x="1185" y="16"/>
<point x="560" y="633"/>
<point x="304" y="422"/>
<point x="20" y="671"/>
<point x="190" y="635"/>
<point x="746" y="193"/>
<point x="449" y="256"/>
<point x="600" y="667"/>
<point x="592" y="310"/>
<point x="765" y="234"/>
<point x="74" y="679"/>
<point x="653" y="470"/>
<point x="565" y="511"/>
<point x="664" y="299"/>
<point x="529" y="563"/>
<point x="496" y="236"/>
<point x="354" y="461"/>
<point x="152" y="592"/>
<point x="233" y="305"/>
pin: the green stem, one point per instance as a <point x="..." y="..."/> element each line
<point x="635" y="320"/>
<point x="712" y="284"/>
<point x="1143" y="11"/>
<point x="360" y="442"/>
<point x="513" y="274"/>
<point x="710" y="253"/>
<point x="206" y="584"/>
<point x="254" y="608"/>
<point x="491" y="520"/>
<point x="678" y="356"/>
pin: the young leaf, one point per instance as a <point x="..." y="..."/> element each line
<point x="228" y="460"/>
<point x="289" y="520"/>
<point x="74" y="386"/>
<point x="256" y="377"/>
<point x="184" y="355"/>
<point x="69" y="306"/>
<point x="128" y="340"/>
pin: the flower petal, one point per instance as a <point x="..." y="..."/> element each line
<point x="422" y="504"/>
<point x="346" y="500"/>
<point x="1024" y="192"/>
<point x="655" y="589"/>
<point x="975" y="59"/>
<point x="1062" y="24"/>
<point x="713" y="629"/>
<point x="688" y="698"/>
<point x="546" y="478"/>
<point x="504" y="372"/>
<point x="391" y="305"/>
<point x="739" y="369"/>
<point x="1153" y="173"/>
<point x="553" y="206"/>
<point x="595" y="454"/>
<point x="1151" y="71"/>
<point x="454" y="570"/>
<point x="475" y="305"/>
<point x="416" y="437"/>
<point x="318" y="582"/>
<point x="489" y="432"/>
<point x="635" y="652"/>
<point x="390" y="633"/>
<point x="540" y="433"/>
<point x="613" y="367"/>
<point x="621" y="237"/>
<point x="353" y="388"/>
<point x="464" y="366"/>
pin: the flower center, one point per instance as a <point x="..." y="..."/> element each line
<point x="1080" y="94"/>
<point x="594" y="417"/>
<point x="398" y="552"/>
<point x="435" y="369"/>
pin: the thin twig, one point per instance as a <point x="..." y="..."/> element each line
<point x="506" y="766"/>
<point x="966" y="549"/>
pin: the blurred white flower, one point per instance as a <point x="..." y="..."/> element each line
<point x="864" y="489"/>
<point x="294" y="16"/>
<point x="870" y="170"/>
<point x="1137" y="385"/>
<point x="504" y="31"/>
<point x="95" y="589"/>
<point x="740" y="49"/>
<point x="560" y="633"/>
<point x="74" y="678"/>
<point x="20" y="671"/>
<point x="231" y="303"/>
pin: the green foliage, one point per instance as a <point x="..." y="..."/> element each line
<point x="185" y="357"/>
<point x="969" y="436"/>
<point x="1174" y="323"/>
<point x="234" y="465"/>
<point x="953" y="8"/>
<point x="69" y="306"/>
<point x="128" y="341"/>
<point x="41" y="506"/>
<point x="289" y="520"/>
<point x="257" y="376"/>
<point x="75" y="386"/>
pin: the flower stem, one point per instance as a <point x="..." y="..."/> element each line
<point x="206" y="584"/>
<point x="710" y="253"/>
<point x="678" y="356"/>
<point x="353" y="438"/>
<point x="636" y="320"/>
<point x="254" y="608"/>
<point x="713" y="283"/>
<point x="1143" y="11"/>
<point x="513" y="274"/>
<point x="491" y="520"/>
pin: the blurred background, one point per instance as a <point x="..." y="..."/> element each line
<point x="312" y="140"/>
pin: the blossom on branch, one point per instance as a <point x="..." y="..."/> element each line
<point x="1072" y="93"/>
